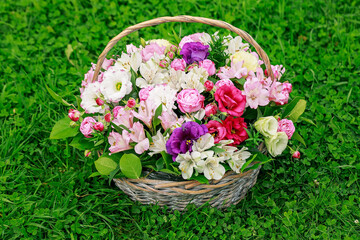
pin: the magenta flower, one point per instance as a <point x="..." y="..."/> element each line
<point x="194" y="52"/>
<point x="181" y="139"/>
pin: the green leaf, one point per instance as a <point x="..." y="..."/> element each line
<point x="159" y="164"/>
<point x="117" y="128"/>
<point x="105" y="165"/>
<point x="217" y="150"/>
<point x="57" y="97"/>
<point x="290" y="106"/>
<point x="125" y="128"/>
<point x="113" y="173"/>
<point x="81" y="143"/>
<point x="63" y="130"/>
<point x="130" y="166"/>
<point x="200" y="178"/>
<point x="297" y="110"/>
<point x="165" y="170"/>
<point x="158" y="112"/>
<point x="167" y="159"/>
<point x="307" y="120"/>
<point x="298" y="137"/>
<point x="95" y="174"/>
<point x="248" y="162"/>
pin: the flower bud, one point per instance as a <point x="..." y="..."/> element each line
<point x="131" y="103"/>
<point x="163" y="64"/>
<point x="99" y="102"/>
<point x="73" y="124"/>
<point x="210" y="109"/>
<point x="99" y="126"/>
<point x="209" y="85"/>
<point x="74" y="115"/>
<point x="173" y="48"/>
<point x="171" y="55"/>
<point x="108" y="117"/>
<point x="87" y="153"/>
<point x="296" y="154"/>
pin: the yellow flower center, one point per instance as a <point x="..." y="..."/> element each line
<point x="188" y="142"/>
<point x="118" y="86"/>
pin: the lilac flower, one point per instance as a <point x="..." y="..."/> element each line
<point x="181" y="139"/>
<point x="194" y="52"/>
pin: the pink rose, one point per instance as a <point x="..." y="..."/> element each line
<point x="210" y="109"/>
<point x="230" y="100"/>
<point x="223" y="82"/>
<point x="286" y="126"/>
<point x="190" y="100"/>
<point x="144" y="93"/>
<point x="74" y="115"/>
<point x="191" y="38"/>
<point x="209" y="85"/>
<point x="150" y="50"/>
<point x="209" y="66"/>
<point x="218" y="129"/>
<point x="87" y="126"/>
<point x="178" y="64"/>
<point x="99" y="126"/>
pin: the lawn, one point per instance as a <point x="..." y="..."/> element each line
<point x="45" y="192"/>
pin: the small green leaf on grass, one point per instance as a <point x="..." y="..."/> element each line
<point x="57" y="97"/>
<point x="130" y="166"/>
<point x="297" y="136"/>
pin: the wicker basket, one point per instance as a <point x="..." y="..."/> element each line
<point x="165" y="189"/>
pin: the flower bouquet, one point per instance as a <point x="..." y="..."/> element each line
<point x="190" y="120"/>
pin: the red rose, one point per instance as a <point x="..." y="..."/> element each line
<point x="230" y="100"/>
<point x="235" y="130"/>
<point x="216" y="128"/>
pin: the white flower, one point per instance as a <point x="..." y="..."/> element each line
<point x="116" y="85"/>
<point x="203" y="143"/>
<point x="195" y="79"/>
<point x="150" y="74"/>
<point x="163" y="94"/>
<point x="159" y="143"/>
<point x="249" y="60"/>
<point x="212" y="168"/>
<point x="234" y="44"/>
<point x="267" y="126"/>
<point x="238" y="159"/>
<point x="229" y="151"/>
<point x="276" y="144"/>
<point x="174" y="79"/>
<point x="188" y="162"/>
<point x="88" y="99"/>
<point x="126" y="61"/>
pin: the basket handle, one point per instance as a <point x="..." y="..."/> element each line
<point x="190" y="19"/>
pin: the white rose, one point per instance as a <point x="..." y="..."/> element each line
<point x="277" y="143"/>
<point x="250" y="61"/>
<point x="267" y="126"/>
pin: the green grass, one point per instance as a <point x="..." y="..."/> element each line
<point x="45" y="192"/>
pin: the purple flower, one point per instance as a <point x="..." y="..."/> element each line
<point x="194" y="52"/>
<point x="181" y="139"/>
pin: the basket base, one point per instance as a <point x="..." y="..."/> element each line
<point x="177" y="195"/>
